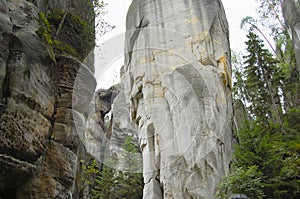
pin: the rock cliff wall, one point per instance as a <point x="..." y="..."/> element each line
<point x="39" y="144"/>
<point x="177" y="85"/>
<point x="291" y="12"/>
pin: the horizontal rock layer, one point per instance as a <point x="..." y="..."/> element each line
<point x="43" y="104"/>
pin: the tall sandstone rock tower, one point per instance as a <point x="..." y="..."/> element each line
<point x="291" y="12"/>
<point x="177" y="84"/>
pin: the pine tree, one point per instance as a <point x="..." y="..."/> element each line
<point x="261" y="83"/>
<point x="105" y="183"/>
<point x="266" y="159"/>
<point x="130" y="179"/>
<point x="120" y="179"/>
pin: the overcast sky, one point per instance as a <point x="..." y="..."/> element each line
<point x="235" y="10"/>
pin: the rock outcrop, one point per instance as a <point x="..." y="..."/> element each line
<point x="291" y="12"/>
<point x="42" y="90"/>
<point x="108" y="126"/>
<point x="177" y="84"/>
<point x="98" y="127"/>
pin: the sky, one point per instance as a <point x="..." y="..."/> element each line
<point x="107" y="72"/>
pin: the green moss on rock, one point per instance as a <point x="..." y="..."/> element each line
<point x="66" y="33"/>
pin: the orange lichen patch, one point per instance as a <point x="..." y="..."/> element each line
<point x="224" y="78"/>
<point x="222" y="62"/>
<point x="202" y="36"/>
<point x="144" y="61"/>
<point x="192" y="21"/>
<point x="225" y="75"/>
<point x="159" y="93"/>
<point x="157" y="139"/>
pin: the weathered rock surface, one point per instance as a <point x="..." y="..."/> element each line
<point x="291" y="12"/>
<point x="177" y="83"/>
<point x="43" y="104"/>
<point x="108" y="126"/>
<point x="98" y="127"/>
<point x="240" y="114"/>
<point x="121" y="128"/>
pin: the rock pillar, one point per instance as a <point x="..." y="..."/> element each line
<point x="177" y="79"/>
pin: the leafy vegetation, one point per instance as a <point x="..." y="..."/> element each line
<point x="105" y="181"/>
<point x="67" y="33"/>
<point x="266" y="158"/>
<point x="243" y="180"/>
<point x="50" y="30"/>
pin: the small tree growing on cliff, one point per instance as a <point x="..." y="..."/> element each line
<point x="130" y="179"/>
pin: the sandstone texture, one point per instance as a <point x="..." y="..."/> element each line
<point x="41" y="92"/>
<point x="108" y="126"/>
<point x="98" y="127"/>
<point x="177" y="87"/>
<point x="291" y="12"/>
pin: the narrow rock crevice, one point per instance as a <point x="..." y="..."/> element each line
<point x="41" y="162"/>
<point x="9" y="69"/>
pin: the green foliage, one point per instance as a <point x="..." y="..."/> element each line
<point x="86" y="33"/>
<point x="239" y="87"/>
<point x="110" y="183"/>
<point x="270" y="21"/>
<point x="81" y="31"/>
<point x="101" y="26"/>
<point x="60" y="47"/>
<point x="44" y="30"/>
<point x="266" y="159"/>
<point x="246" y="180"/>
<point x="47" y="33"/>
<point x="90" y="170"/>
<point x="106" y="183"/>
<point x="129" y="160"/>
<point x="131" y="178"/>
<point x="262" y="84"/>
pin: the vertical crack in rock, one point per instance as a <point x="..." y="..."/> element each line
<point x="143" y="23"/>
<point x="50" y="133"/>
<point x="6" y="83"/>
<point x="7" y="68"/>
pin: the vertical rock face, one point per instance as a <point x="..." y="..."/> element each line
<point x="291" y="12"/>
<point x="177" y="82"/>
<point x="39" y="145"/>
<point x="109" y="126"/>
<point x="98" y="128"/>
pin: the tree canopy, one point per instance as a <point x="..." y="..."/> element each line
<point x="266" y="159"/>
